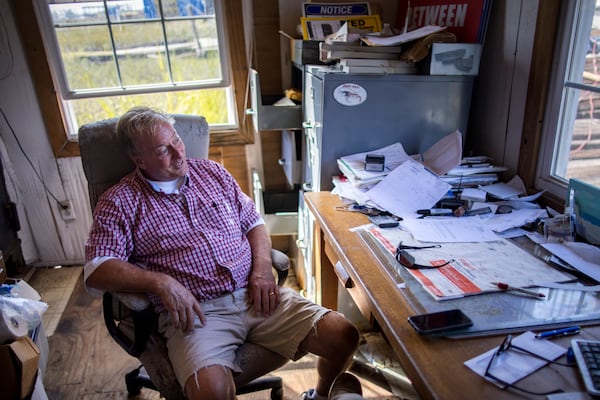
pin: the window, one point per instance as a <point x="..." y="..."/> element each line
<point x="102" y="57"/>
<point x="109" y="55"/>
<point x="570" y="146"/>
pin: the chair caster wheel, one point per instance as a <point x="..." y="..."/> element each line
<point x="277" y="394"/>
<point x="134" y="387"/>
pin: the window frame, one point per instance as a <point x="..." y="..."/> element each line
<point x="49" y="101"/>
<point x="573" y="16"/>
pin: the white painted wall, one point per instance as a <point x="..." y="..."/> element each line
<point x="47" y="240"/>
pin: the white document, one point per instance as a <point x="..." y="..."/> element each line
<point x="449" y="230"/>
<point x="581" y="256"/>
<point x="509" y="190"/>
<point x="403" y="38"/>
<point x="502" y="191"/>
<point x="408" y="188"/>
<point x="473" y="194"/>
<point x="516" y="218"/>
<point x="513" y="365"/>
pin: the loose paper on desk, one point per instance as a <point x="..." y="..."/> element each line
<point x="449" y="230"/>
<point x="581" y="256"/>
<point x="513" y="365"/>
<point x="403" y="38"/>
<point x="503" y="222"/>
<point x="475" y="264"/>
<point x="408" y="188"/>
<point x="509" y="190"/>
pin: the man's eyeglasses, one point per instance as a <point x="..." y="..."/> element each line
<point x="404" y="258"/>
<point x="504" y="347"/>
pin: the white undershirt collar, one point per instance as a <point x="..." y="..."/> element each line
<point x="168" y="187"/>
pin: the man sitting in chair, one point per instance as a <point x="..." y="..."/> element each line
<point x="182" y="231"/>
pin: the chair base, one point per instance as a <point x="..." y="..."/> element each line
<point x="137" y="379"/>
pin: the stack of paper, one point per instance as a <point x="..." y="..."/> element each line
<point x="381" y="189"/>
<point x="473" y="172"/>
<point x="353" y="166"/>
<point x="376" y="66"/>
<point x="330" y="51"/>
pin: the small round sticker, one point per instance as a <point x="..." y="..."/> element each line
<point x="350" y="94"/>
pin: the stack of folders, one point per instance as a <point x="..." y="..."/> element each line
<point x="330" y="51"/>
<point x="357" y="59"/>
<point x="376" y="66"/>
<point x="473" y="172"/>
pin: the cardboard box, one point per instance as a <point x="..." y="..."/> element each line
<point x="303" y="51"/>
<point x="19" y="361"/>
<point x="455" y="58"/>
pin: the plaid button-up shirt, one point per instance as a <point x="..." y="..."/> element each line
<point x="197" y="236"/>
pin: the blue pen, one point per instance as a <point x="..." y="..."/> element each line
<point x="571" y="330"/>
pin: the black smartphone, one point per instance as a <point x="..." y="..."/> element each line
<point x="440" y="321"/>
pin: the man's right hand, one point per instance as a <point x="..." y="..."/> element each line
<point x="181" y="304"/>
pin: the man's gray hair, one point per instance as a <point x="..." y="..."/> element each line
<point x="139" y="122"/>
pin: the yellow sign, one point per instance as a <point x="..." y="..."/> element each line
<point x="318" y="28"/>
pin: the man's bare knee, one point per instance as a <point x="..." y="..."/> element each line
<point x="333" y="336"/>
<point x="214" y="382"/>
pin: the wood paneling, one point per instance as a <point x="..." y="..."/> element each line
<point x="537" y="92"/>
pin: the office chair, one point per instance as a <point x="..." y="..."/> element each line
<point x="129" y="317"/>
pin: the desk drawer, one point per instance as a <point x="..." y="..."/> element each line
<point x="342" y="271"/>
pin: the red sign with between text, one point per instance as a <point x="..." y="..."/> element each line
<point x="466" y="19"/>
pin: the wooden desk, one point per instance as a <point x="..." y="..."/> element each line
<point x="434" y="365"/>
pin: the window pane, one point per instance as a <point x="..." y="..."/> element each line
<point x="88" y="64"/>
<point x="194" y="50"/>
<point x="71" y="13"/>
<point x="579" y="150"/>
<point x="210" y="103"/>
<point x="132" y="10"/>
<point x="141" y="53"/>
<point x="577" y="147"/>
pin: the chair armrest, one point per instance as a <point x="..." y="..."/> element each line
<point x="281" y="263"/>
<point x="133" y="301"/>
<point x="144" y="322"/>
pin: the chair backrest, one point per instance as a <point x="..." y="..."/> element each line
<point x="105" y="159"/>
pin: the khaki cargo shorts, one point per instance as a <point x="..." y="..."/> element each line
<point x="230" y="323"/>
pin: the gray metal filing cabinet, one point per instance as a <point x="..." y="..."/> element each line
<point x="345" y="114"/>
<point x="351" y="113"/>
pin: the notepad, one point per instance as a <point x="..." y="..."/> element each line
<point x="516" y="365"/>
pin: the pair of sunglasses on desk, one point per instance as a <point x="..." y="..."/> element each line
<point x="504" y="347"/>
<point x="407" y="260"/>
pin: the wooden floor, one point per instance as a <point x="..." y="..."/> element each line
<point x="85" y="364"/>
